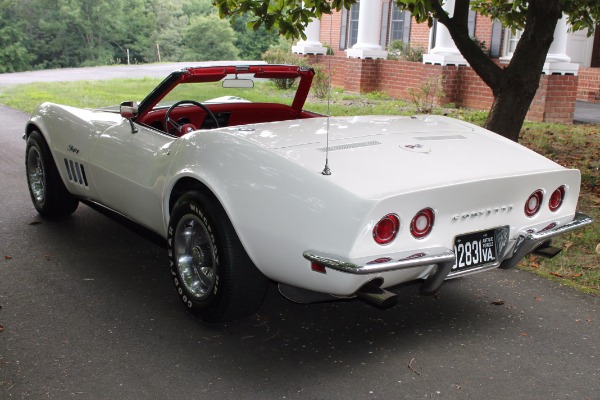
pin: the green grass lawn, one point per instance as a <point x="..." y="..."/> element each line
<point x="573" y="146"/>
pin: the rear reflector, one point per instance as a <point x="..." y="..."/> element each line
<point x="550" y="226"/>
<point x="318" y="268"/>
<point x="380" y="261"/>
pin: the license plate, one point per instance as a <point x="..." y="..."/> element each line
<point x="474" y="249"/>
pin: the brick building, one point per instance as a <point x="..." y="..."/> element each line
<point x="360" y="37"/>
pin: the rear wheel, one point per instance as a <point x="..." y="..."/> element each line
<point x="213" y="275"/>
<point x="48" y="192"/>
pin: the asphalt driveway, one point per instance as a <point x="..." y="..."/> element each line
<point x="88" y="312"/>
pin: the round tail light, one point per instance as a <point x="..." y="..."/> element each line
<point x="556" y="199"/>
<point x="386" y="229"/>
<point x="534" y="202"/>
<point x="422" y="223"/>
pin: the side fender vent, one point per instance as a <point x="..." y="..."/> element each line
<point x="349" y="146"/>
<point x="76" y="172"/>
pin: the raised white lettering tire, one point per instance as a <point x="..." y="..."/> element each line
<point x="213" y="275"/>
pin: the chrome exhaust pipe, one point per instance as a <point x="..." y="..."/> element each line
<point x="547" y="250"/>
<point x="373" y="294"/>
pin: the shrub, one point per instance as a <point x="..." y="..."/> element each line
<point x="428" y="95"/>
<point x="282" y="54"/>
<point x="320" y="84"/>
<point x="398" y="50"/>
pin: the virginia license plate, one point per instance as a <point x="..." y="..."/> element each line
<point x="474" y="249"/>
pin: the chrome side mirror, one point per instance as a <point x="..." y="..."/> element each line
<point x="129" y="109"/>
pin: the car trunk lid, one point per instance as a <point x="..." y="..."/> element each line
<point x="409" y="153"/>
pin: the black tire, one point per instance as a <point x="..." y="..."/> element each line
<point x="213" y="275"/>
<point x="47" y="190"/>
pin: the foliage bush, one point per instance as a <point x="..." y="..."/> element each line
<point x="282" y="54"/>
<point x="428" y="95"/>
<point x="209" y="38"/>
<point x="481" y="44"/>
<point x="398" y="50"/>
<point x="41" y="34"/>
<point x="320" y="85"/>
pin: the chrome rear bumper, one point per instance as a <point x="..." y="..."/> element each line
<point x="442" y="258"/>
<point x="528" y="242"/>
<point x="392" y="262"/>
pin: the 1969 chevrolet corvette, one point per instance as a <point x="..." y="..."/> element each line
<point x="246" y="192"/>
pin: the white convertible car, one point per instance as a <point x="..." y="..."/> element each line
<point x="246" y="192"/>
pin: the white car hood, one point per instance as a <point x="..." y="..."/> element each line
<point x="407" y="152"/>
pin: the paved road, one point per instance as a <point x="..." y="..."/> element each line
<point x="98" y="73"/>
<point x="586" y="113"/>
<point x="88" y="312"/>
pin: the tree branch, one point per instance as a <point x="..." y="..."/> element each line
<point x="489" y="72"/>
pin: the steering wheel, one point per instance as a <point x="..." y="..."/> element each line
<point x="185" y="128"/>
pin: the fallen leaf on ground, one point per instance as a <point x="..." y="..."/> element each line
<point x="556" y="274"/>
<point x="1" y="328"/>
<point x="598" y="249"/>
<point x="7" y="257"/>
<point x="567" y="245"/>
<point x="524" y="334"/>
<point x="498" y="302"/>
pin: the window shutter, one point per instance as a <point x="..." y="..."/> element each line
<point x="344" y="29"/>
<point x="406" y="34"/>
<point x="471" y="23"/>
<point x="385" y="17"/>
<point x="433" y="34"/>
<point x="496" y="40"/>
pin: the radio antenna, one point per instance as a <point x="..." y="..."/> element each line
<point x="326" y="170"/>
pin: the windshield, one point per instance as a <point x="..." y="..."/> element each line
<point x="263" y="90"/>
<point x="205" y="85"/>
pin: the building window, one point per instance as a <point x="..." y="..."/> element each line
<point x="353" y="24"/>
<point x="397" y="24"/>
<point x="511" y="42"/>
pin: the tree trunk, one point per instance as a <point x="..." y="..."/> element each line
<point x="514" y="86"/>
<point x="512" y="98"/>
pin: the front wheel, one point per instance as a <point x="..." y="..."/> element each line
<point x="48" y="192"/>
<point x="213" y="275"/>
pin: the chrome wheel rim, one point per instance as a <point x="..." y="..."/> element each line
<point x="35" y="172"/>
<point x="194" y="255"/>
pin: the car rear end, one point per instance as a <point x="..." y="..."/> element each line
<point x="408" y="199"/>
<point x="446" y="202"/>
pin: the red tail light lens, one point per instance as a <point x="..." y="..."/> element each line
<point x="422" y="223"/>
<point x="386" y="229"/>
<point x="534" y="202"/>
<point x="556" y="199"/>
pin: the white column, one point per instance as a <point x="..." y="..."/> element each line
<point x="557" y="60"/>
<point x="367" y="42"/>
<point x="311" y="45"/>
<point x="444" y="51"/>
